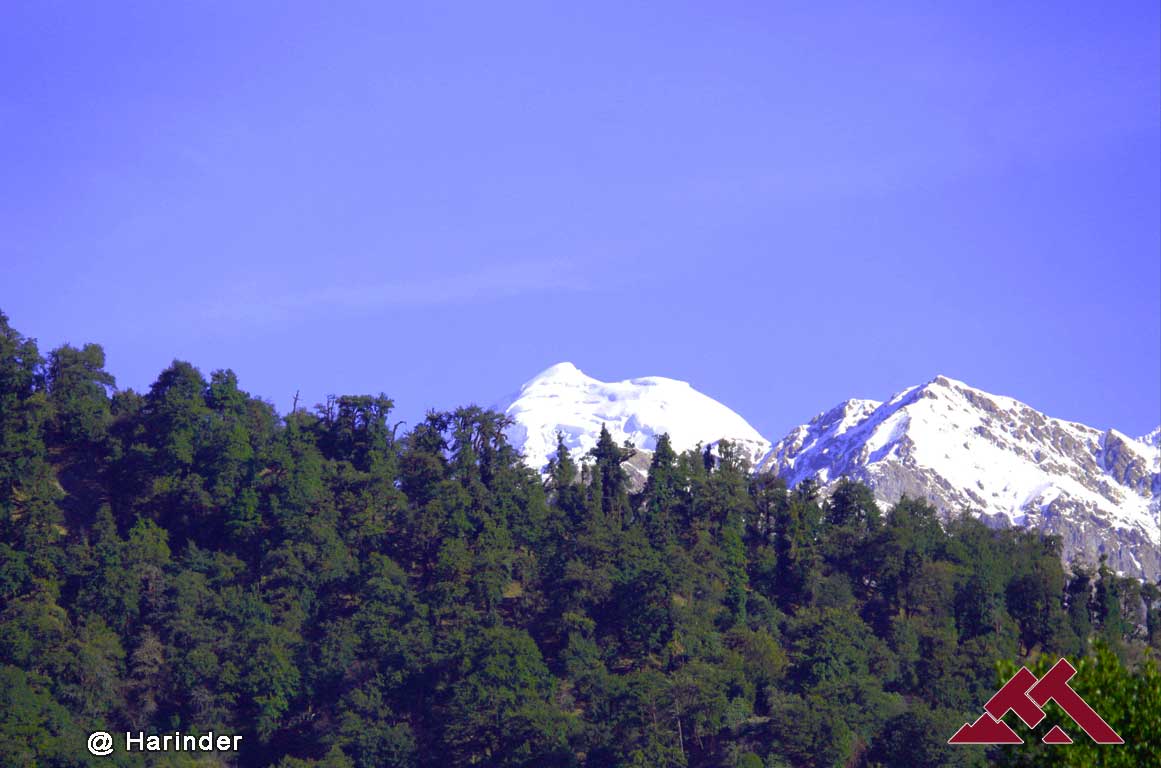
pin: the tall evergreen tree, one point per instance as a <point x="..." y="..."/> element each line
<point x="614" y="480"/>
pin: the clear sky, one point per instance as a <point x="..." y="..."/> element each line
<point x="784" y="207"/>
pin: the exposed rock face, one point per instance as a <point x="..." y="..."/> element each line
<point x="967" y="450"/>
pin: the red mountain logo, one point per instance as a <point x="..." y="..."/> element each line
<point x="1025" y="695"/>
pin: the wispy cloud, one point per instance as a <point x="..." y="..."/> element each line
<point x="486" y="283"/>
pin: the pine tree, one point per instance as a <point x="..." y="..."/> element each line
<point x="562" y="471"/>
<point x="662" y="495"/>
<point x="614" y="481"/>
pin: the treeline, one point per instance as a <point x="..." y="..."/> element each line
<point x="343" y="594"/>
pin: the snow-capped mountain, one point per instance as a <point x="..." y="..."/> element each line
<point x="962" y="448"/>
<point x="564" y="399"/>
<point x="958" y="447"/>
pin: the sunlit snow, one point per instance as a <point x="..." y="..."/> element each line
<point x="1011" y="457"/>
<point x="564" y="399"/>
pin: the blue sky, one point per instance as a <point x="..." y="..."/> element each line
<point x="786" y="208"/>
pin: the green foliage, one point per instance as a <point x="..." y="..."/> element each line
<point x="78" y="387"/>
<point x="344" y="595"/>
<point x="1128" y="700"/>
<point x="35" y="729"/>
<point x="499" y="710"/>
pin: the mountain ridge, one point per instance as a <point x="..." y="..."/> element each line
<point x="959" y="447"/>
<point x="962" y="448"/>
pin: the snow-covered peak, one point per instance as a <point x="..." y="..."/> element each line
<point x="562" y="373"/>
<point x="564" y="399"/>
<point x="966" y="449"/>
<point x="960" y="447"/>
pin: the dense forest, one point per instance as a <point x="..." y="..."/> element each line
<point x="343" y="592"/>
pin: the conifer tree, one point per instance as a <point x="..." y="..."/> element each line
<point x="662" y="495"/>
<point x="614" y="481"/>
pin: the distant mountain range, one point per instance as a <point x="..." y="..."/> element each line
<point x="959" y="447"/>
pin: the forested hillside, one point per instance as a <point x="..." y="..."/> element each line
<point x="344" y="592"/>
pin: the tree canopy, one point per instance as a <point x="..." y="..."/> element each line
<point x="341" y="593"/>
